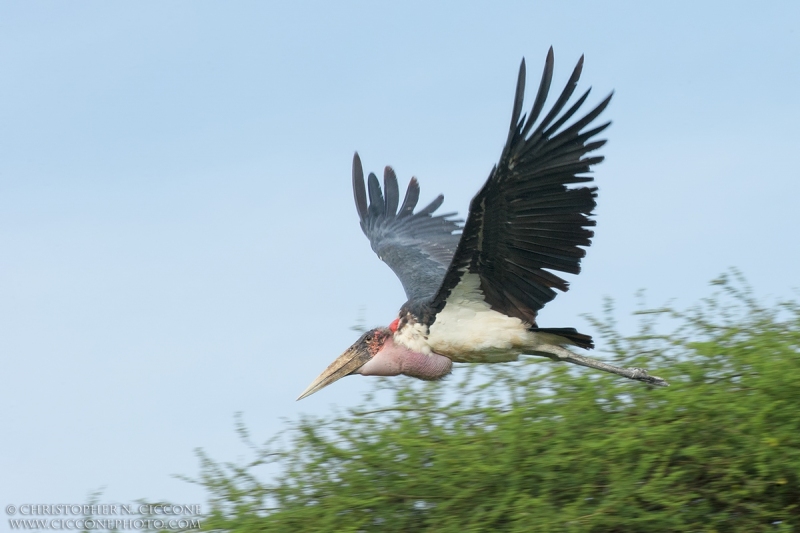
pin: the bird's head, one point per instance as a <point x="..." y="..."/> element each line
<point x="355" y="357"/>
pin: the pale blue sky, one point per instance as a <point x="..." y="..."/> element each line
<point x="177" y="235"/>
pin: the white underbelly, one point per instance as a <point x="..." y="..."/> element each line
<point x="468" y="330"/>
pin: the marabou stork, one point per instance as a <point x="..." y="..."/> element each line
<point x="474" y="291"/>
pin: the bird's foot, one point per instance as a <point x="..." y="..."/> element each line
<point x="640" y="374"/>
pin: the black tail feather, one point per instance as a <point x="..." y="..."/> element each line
<point x="579" y="339"/>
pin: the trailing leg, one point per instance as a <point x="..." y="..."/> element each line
<point x="557" y="353"/>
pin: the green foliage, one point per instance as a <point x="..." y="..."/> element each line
<point x="541" y="446"/>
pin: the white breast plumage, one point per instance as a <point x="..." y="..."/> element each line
<point x="468" y="330"/>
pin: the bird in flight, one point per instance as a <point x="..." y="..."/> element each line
<point x="475" y="290"/>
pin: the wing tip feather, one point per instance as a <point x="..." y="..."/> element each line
<point x="359" y="191"/>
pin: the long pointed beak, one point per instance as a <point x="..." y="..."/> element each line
<point x="347" y="363"/>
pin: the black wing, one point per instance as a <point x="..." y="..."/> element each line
<point x="416" y="246"/>
<point x="525" y="221"/>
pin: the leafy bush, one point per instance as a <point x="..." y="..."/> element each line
<point x="540" y="446"/>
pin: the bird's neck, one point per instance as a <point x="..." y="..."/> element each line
<point x="395" y="358"/>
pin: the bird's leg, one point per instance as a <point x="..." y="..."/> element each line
<point x="557" y="353"/>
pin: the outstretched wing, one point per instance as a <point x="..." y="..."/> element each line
<point x="417" y="246"/>
<point x="525" y="222"/>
